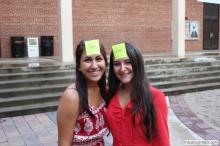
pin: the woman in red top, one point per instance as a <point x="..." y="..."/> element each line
<point x="136" y="113"/>
<point x="80" y="115"/>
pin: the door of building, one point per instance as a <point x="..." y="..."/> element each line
<point x="210" y="26"/>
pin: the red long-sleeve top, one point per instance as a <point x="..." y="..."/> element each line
<point x="123" y="130"/>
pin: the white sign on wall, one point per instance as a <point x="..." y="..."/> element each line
<point x="191" y="30"/>
<point x="32" y="47"/>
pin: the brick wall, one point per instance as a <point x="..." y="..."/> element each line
<point x="146" y="23"/>
<point x="27" y="18"/>
<point x="194" y="12"/>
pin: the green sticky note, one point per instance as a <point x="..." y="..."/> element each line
<point x="92" y="47"/>
<point x="119" y="51"/>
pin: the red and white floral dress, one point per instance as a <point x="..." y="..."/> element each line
<point x="89" y="131"/>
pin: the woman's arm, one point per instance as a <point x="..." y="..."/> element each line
<point x="162" y="119"/>
<point x="67" y="114"/>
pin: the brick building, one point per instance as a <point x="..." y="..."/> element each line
<point x="146" y="23"/>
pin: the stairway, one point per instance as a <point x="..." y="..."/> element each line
<point x="26" y="90"/>
<point x="185" y="76"/>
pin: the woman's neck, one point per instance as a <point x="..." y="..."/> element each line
<point x="93" y="89"/>
<point x="92" y="85"/>
<point x="125" y="90"/>
<point x="125" y="87"/>
<point x="94" y="95"/>
<point x="124" y="94"/>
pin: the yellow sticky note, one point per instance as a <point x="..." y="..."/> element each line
<point x="119" y="51"/>
<point x="92" y="47"/>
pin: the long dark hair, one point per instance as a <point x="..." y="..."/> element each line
<point x="81" y="83"/>
<point x="140" y="93"/>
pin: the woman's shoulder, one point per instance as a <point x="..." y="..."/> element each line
<point x="155" y="91"/>
<point x="158" y="97"/>
<point x="70" y="94"/>
<point x="72" y="86"/>
<point x="69" y="103"/>
<point x="157" y="94"/>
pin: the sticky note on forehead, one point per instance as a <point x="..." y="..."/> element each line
<point x="119" y="51"/>
<point x="92" y="47"/>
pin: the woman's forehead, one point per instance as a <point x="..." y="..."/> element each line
<point x="122" y="59"/>
<point x="92" y="56"/>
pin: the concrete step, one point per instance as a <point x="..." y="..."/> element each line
<point x="183" y="70"/>
<point x="187" y="82"/>
<point x="183" y="76"/>
<point x="170" y="59"/>
<point x="190" y="88"/>
<point x="28" y="109"/>
<point x="25" y="100"/>
<point x="31" y="90"/>
<point x="33" y="82"/>
<point x="26" y="75"/>
<point x="14" y="68"/>
<point x="180" y="65"/>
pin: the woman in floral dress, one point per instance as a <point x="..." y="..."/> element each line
<point x="80" y="114"/>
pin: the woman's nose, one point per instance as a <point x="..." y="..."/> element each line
<point x="94" y="64"/>
<point x="122" y="67"/>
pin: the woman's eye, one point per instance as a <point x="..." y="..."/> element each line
<point x="127" y="62"/>
<point x="116" y="63"/>
<point x="87" y="60"/>
<point x="99" y="58"/>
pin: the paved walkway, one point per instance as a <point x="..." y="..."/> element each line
<point x="198" y="119"/>
<point x="200" y="112"/>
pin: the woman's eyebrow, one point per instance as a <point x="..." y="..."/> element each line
<point x="87" y="57"/>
